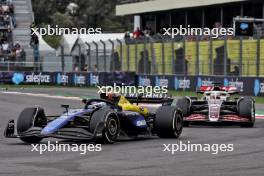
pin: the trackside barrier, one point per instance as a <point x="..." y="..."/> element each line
<point x="253" y="86"/>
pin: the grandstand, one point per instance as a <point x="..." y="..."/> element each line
<point x="197" y="13"/>
<point x="198" y="55"/>
<point x="15" y="19"/>
<point x="8" y="49"/>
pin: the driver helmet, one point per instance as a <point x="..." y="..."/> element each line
<point x="109" y="96"/>
<point x="216" y="95"/>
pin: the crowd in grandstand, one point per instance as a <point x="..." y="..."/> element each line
<point x="147" y="32"/>
<point x="9" y="50"/>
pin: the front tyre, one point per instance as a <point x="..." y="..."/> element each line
<point x="168" y="122"/>
<point x="112" y="128"/>
<point x="28" y="118"/>
<point x="111" y="122"/>
<point x="246" y="108"/>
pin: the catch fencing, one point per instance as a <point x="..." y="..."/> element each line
<point x="159" y="55"/>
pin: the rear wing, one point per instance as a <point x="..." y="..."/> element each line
<point x="228" y="89"/>
<point x="156" y="99"/>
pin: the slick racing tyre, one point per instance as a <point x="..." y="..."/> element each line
<point x="28" y="118"/>
<point x="246" y="108"/>
<point x="184" y="105"/>
<point x="168" y="122"/>
<point x="111" y="122"/>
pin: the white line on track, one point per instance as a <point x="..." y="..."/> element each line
<point x="43" y="95"/>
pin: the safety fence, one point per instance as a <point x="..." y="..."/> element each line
<point x="186" y="55"/>
<point x="159" y="56"/>
<point x="196" y="56"/>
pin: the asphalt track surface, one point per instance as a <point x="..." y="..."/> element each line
<point x="131" y="157"/>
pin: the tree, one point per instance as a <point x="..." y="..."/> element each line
<point x="62" y="20"/>
<point x="91" y="13"/>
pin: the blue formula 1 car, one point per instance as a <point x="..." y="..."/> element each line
<point x="100" y="119"/>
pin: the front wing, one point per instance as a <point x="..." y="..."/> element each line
<point x="222" y="118"/>
<point x="63" y="133"/>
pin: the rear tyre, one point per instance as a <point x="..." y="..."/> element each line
<point x="111" y="122"/>
<point x="168" y="122"/>
<point x="184" y="105"/>
<point x="246" y="108"/>
<point x="28" y="118"/>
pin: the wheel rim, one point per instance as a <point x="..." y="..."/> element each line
<point x="112" y="126"/>
<point x="178" y="122"/>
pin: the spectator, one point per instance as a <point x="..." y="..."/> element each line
<point x="36" y="54"/>
<point x="95" y="68"/>
<point x="127" y="35"/>
<point x="236" y="71"/>
<point x="137" y="33"/>
<point x="76" y="68"/>
<point x="17" y="45"/>
<point x="1" y="51"/>
<point x="34" y="42"/>
<point x="148" y="32"/>
<point x="23" y="55"/>
<point x="6" y="48"/>
<point x="12" y="56"/>
<point x="5" y="9"/>
<point x="6" y="20"/>
<point x="85" y="68"/>
<point x="7" y="23"/>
